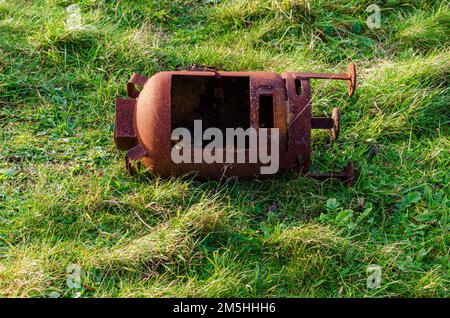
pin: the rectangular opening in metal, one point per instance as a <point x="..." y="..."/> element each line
<point x="298" y="86"/>
<point x="222" y="102"/>
<point x="266" y="111"/>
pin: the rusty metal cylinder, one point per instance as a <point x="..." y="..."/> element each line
<point x="146" y="119"/>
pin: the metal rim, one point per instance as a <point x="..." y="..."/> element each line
<point x="351" y="83"/>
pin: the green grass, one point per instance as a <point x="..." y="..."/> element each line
<point x="66" y="198"/>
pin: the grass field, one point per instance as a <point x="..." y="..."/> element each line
<point x="66" y="198"/>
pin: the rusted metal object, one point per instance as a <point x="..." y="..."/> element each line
<point x="168" y="100"/>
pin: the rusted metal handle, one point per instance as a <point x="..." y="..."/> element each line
<point x="332" y="123"/>
<point x="350" y="77"/>
<point x="136" y="79"/>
